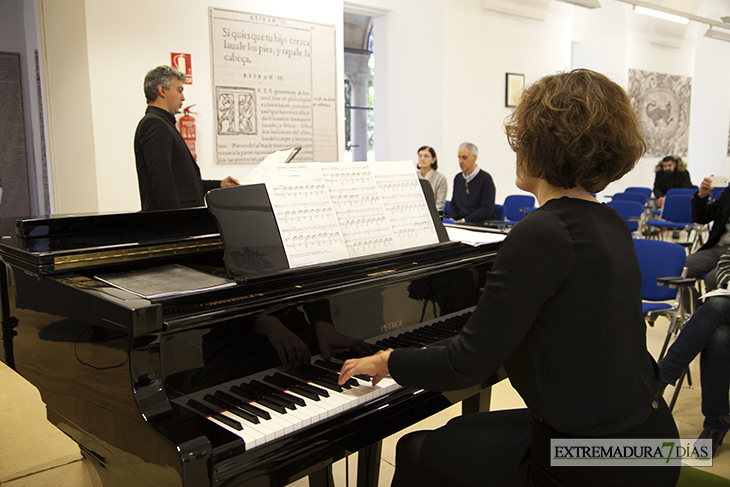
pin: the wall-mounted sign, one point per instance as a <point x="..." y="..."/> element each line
<point x="181" y="62"/>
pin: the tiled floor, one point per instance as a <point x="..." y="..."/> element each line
<point x="36" y="454"/>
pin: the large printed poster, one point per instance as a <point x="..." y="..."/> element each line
<point x="274" y="83"/>
<point x="662" y="103"/>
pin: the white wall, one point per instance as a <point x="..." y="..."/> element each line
<point x="112" y="46"/>
<point x="440" y="68"/>
<point x="481" y="46"/>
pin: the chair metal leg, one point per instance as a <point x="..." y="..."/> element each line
<point x="676" y="390"/>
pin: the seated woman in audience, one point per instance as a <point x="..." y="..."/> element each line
<point x="671" y="173"/>
<point x="707" y="333"/>
<point x="427" y="165"/>
<point x="561" y="310"/>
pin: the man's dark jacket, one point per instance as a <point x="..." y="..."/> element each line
<point x="168" y="176"/>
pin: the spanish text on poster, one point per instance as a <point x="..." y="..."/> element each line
<point x="274" y="87"/>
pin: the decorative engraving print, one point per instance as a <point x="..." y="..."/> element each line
<point x="662" y="103"/>
<point x="236" y="110"/>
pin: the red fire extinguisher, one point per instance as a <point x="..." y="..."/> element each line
<point x="186" y="125"/>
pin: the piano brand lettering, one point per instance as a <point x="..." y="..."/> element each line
<point x="391" y="326"/>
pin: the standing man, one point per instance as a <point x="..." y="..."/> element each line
<point x="473" y="197"/>
<point x="167" y="173"/>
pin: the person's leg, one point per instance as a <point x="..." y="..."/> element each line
<point x="694" y="337"/>
<point x="703" y="262"/>
<point x="715" y="378"/>
<point x="466" y="451"/>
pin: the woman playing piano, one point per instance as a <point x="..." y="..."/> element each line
<point x="561" y="310"/>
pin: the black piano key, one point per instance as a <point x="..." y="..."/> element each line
<point x="279" y="393"/>
<point x="243" y="393"/>
<point x="304" y="386"/>
<point x="228" y="421"/>
<point x="400" y="342"/>
<point x="243" y="405"/>
<point x="333" y="386"/>
<point x="219" y="403"/>
<point x="200" y="407"/>
<point x="326" y="364"/>
<point x="247" y="386"/>
<point x="317" y="390"/>
<point x="423" y="336"/>
<point x="231" y="408"/>
<point x="274" y="406"/>
<point x="325" y="375"/>
<point x="206" y="411"/>
<point x="294" y="389"/>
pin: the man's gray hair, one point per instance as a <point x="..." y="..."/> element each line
<point x="161" y="75"/>
<point x="473" y="150"/>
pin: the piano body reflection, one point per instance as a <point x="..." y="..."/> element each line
<point x="189" y="389"/>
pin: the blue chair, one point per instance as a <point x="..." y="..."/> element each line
<point x="499" y="222"/>
<point x="637" y="189"/>
<point x="658" y="259"/>
<point x="447" y="205"/>
<point x="662" y="268"/>
<point x="689" y="191"/>
<point x="516" y="206"/>
<point x="676" y="215"/>
<point x="631" y="211"/>
<point x="637" y="197"/>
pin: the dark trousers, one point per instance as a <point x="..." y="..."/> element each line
<point x="512" y="449"/>
<point x="708" y="333"/>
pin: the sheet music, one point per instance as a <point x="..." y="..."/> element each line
<point x="332" y="211"/>
<point x="303" y="208"/>
<point x="359" y="207"/>
<point x="277" y="157"/>
<point x="404" y="204"/>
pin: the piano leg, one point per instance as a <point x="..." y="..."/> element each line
<point x="322" y="477"/>
<point x="478" y="403"/>
<point x="368" y="465"/>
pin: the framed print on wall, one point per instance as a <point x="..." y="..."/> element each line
<point x="514" y="84"/>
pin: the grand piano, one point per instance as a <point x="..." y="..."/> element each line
<point x="228" y="385"/>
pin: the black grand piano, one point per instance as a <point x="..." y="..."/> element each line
<point x="229" y="384"/>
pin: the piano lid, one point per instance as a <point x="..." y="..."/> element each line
<point x="61" y="243"/>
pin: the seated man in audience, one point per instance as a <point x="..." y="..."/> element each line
<point x="473" y="197"/>
<point x="671" y="173"/>
<point x="704" y="261"/>
<point x="707" y="333"/>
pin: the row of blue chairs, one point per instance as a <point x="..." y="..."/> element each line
<point x="508" y="214"/>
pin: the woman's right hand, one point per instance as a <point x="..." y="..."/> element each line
<point x="376" y="366"/>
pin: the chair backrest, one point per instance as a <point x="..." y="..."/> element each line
<point x="689" y="191"/>
<point x="658" y="258"/>
<point x="677" y="208"/>
<point x="447" y="204"/>
<point x="515" y="205"/>
<point x="628" y="209"/>
<point x="500" y="211"/>
<point x="637" y="197"/>
<point x="637" y="189"/>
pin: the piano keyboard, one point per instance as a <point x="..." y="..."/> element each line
<point x="280" y="401"/>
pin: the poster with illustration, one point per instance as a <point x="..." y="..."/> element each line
<point x="274" y="87"/>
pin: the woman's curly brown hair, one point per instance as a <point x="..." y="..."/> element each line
<point x="575" y="129"/>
